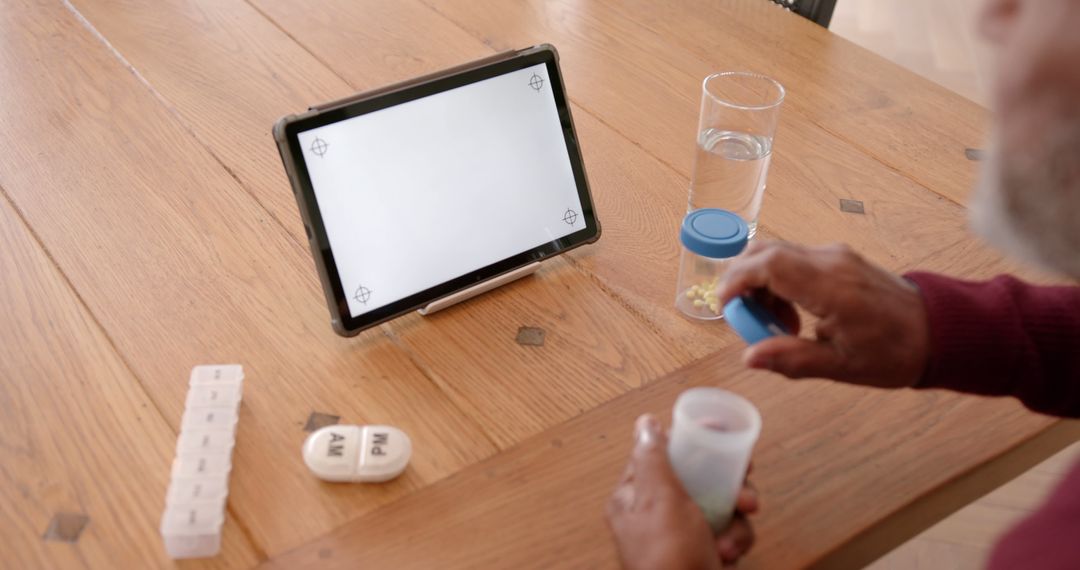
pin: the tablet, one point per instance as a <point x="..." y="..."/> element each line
<point x="421" y="190"/>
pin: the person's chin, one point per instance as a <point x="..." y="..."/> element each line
<point x="986" y="211"/>
<point x="991" y="218"/>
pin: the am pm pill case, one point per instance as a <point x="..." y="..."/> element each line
<point x="195" y="501"/>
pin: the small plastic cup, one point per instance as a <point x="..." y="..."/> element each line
<point x="712" y="437"/>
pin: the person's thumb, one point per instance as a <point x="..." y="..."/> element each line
<point x="652" y="470"/>
<point x="795" y="357"/>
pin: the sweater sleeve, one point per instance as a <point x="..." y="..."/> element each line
<point x="1004" y="337"/>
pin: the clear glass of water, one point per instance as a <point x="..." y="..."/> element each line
<point x="739" y="112"/>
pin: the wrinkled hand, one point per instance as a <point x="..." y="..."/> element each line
<point x="657" y="525"/>
<point x="872" y="329"/>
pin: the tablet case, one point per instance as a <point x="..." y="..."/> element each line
<point x="294" y="181"/>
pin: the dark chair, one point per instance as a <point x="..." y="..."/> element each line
<point x="818" y="11"/>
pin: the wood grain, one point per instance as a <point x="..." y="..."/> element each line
<point x="966" y="538"/>
<point x="636" y="91"/>
<point x="75" y="429"/>
<point x="905" y="224"/>
<point x="227" y="92"/>
<point x="645" y="63"/>
<point x="640" y="201"/>
<point x="142" y="161"/>
<point x="540" y="504"/>
<point x="646" y="88"/>
<point x="943" y="500"/>
<point x="839" y="86"/>
<point x="600" y="347"/>
<point x="517" y="391"/>
<point x="182" y="267"/>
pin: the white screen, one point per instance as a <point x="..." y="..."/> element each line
<point x="420" y="193"/>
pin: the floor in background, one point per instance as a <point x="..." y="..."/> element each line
<point x="932" y="38"/>
<point x="964" y="540"/>
<point x="938" y="41"/>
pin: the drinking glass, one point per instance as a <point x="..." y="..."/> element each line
<point x="739" y="111"/>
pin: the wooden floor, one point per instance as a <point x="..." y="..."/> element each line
<point x="937" y="40"/>
<point x="146" y="226"/>
<point x="965" y="539"/>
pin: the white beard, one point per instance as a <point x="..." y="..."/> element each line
<point x="1030" y="208"/>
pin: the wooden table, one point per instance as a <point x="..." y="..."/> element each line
<point x="146" y="227"/>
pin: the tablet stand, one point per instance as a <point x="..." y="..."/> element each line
<point x="480" y="288"/>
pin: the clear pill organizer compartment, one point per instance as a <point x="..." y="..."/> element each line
<point x="195" y="501"/>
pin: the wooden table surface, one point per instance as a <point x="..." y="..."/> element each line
<point x="146" y="226"/>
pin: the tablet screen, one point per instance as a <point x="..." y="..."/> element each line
<point x="417" y="194"/>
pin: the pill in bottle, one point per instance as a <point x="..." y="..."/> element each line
<point x="710" y="238"/>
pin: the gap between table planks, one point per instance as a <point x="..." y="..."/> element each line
<point x="78" y="432"/>
<point x="615" y="259"/>
<point x="837" y="85"/>
<point x="137" y="325"/>
<point x="598" y="348"/>
<point x="373" y="55"/>
<point x="180" y="267"/>
<point x="631" y="83"/>
<point x="846" y="473"/>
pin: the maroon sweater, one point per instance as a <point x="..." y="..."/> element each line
<point x="1006" y="338"/>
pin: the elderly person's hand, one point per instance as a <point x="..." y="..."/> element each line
<point x="872" y="330"/>
<point x="657" y="525"/>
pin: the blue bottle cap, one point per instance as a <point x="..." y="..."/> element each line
<point x="715" y="233"/>
<point x="753" y="322"/>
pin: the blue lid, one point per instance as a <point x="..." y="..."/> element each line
<point x="712" y="232"/>
<point x="753" y="322"/>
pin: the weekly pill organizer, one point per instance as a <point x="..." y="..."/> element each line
<point x="195" y="500"/>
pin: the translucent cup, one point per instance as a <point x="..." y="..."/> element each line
<point x="739" y="112"/>
<point x="712" y="436"/>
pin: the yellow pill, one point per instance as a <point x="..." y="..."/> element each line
<point x="689" y="294"/>
<point x="714" y="307"/>
<point x="699" y="303"/>
<point x="710" y="293"/>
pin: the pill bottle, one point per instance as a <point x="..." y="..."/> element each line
<point x="710" y="239"/>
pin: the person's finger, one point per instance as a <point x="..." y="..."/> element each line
<point x="735" y="541"/>
<point x="747" y="501"/>
<point x="795" y="357"/>
<point x="652" y="470"/>
<point x="743" y="273"/>
<point x="782" y="308"/>
<point x="784" y="269"/>
<point x="746" y="272"/>
<point x="627" y="474"/>
<point x="621" y="501"/>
